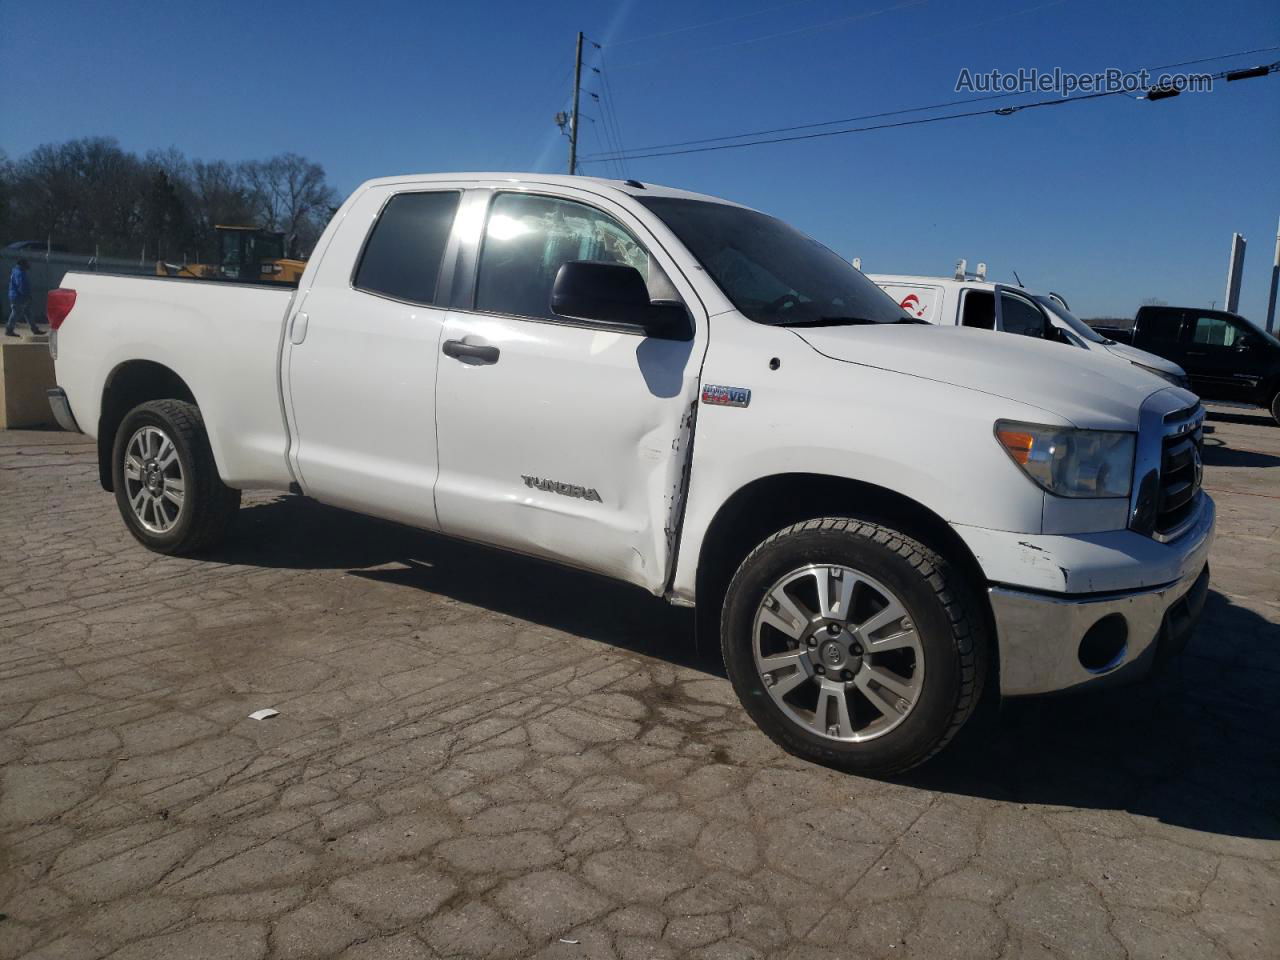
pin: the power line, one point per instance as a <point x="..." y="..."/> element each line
<point x="612" y="106"/>
<point x="867" y="15"/>
<point x="962" y="101"/>
<point x="1000" y="111"/>
<point x="707" y="23"/>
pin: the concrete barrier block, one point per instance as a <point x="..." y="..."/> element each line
<point x="26" y="372"/>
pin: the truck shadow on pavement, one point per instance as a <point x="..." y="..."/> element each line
<point x="1218" y="454"/>
<point x="297" y="533"/>
<point x="1253" y="418"/>
<point x="1194" y="747"/>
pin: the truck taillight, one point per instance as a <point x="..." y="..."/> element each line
<point x="58" y="305"/>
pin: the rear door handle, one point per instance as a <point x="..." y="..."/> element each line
<point x="470" y="353"/>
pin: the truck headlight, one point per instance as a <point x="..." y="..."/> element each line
<point x="1069" y="462"/>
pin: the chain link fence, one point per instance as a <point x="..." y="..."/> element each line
<point x="46" y="268"/>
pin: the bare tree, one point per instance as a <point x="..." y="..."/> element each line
<point x="292" y="197"/>
<point x="89" y="194"/>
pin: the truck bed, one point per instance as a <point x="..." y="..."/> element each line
<point x="223" y="339"/>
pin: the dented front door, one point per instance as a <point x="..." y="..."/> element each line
<point x="560" y="439"/>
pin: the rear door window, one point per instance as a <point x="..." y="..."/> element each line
<point x="1161" y="326"/>
<point x="404" y="251"/>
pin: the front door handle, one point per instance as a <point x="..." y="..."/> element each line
<point x="298" y="329"/>
<point x="470" y="353"/>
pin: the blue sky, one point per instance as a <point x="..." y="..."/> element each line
<point x="1108" y="202"/>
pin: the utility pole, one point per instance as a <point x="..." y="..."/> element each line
<point x="573" y="122"/>
<point x="1275" y="286"/>
<point x="1235" y="273"/>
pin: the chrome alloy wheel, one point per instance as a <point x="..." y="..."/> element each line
<point x="838" y="653"/>
<point x="153" y="479"/>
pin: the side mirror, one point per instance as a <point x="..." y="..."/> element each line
<point x="616" y="293"/>
<point x="1246" y="341"/>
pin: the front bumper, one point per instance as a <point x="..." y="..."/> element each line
<point x="62" y="409"/>
<point x="1051" y="642"/>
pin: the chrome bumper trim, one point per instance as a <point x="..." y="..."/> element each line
<point x="1039" y="634"/>
<point x="62" y="410"/>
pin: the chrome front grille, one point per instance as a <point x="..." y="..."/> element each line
<point x="1180" y="474"/>
<point x="1166" y="498"/>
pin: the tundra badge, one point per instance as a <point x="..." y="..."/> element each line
<point x="564" y="489"/>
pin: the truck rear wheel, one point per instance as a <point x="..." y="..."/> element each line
<point x="166" y="482"/>
<point x="1275" y="408"/>
<point x="853" y="645"/>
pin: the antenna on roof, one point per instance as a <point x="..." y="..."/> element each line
<point x="1019" y="279"/>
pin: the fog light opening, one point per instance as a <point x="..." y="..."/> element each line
<point x="1104" y="644"/>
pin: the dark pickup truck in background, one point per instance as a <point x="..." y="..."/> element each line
<point x="1227" y="357"/>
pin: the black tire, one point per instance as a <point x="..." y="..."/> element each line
<point x="1275" y="408"/>
<point x="209" y="506"/>
<point x="942" y="609"/>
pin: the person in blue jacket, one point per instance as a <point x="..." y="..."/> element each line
<point x="20" y="300"/>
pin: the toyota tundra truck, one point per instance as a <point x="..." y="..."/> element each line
<point x="877" y="517"/>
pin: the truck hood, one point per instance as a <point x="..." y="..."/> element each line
<point x="1134" y="355"/>
<point x="1087" y="390"/>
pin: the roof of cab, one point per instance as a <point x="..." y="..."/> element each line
<point x="596" y="184"/>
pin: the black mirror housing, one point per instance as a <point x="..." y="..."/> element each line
<point x="616" y="293"/>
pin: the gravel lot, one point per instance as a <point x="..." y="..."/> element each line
<point x="479" y="755"/>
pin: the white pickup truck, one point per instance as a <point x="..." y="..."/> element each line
<point x="878" y="516"/>
<point x="974" y="301"/>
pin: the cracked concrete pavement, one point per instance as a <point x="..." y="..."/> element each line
<point x="479" y="755"/>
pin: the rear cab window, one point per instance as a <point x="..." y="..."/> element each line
<point x="978" y="309"/>
<point x="405" y="248"/>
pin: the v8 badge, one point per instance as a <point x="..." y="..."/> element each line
<point x="718" y="396"/>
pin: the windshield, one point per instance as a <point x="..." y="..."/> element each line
<point x="1071" y="321"/>
<point x="1257" y="329"/>
<point x="771" y="272"/>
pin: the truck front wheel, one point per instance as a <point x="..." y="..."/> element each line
<point x="1275" y="408"/>
<point x="853" y="645"/>
<point x="166" y="482"/>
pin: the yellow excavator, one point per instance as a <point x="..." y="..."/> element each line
<point x="244" y="254"/>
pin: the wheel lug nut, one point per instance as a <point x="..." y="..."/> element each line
<point x="833" y="629"/>
<point x="813" y="642"/>
<point x="857" y="649"/>
<point x="768" y="680"/>
<point x="846" y="675"/>
<point x="819" y="669"/>
<point x="833" y="731"/>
